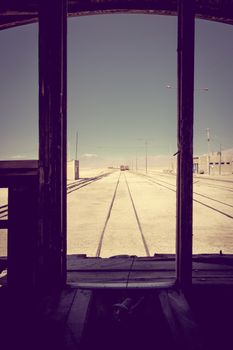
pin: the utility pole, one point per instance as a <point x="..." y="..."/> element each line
<point x="76" y="146"/>
<point x="220" y="158"/>
<point x="146" y="146"/>
<point x="136" y="162"/>
<point x="68" y="150"/>
<point x="170" y="163"/>
<point x="208" y="150"/>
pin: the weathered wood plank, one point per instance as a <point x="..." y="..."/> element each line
<point x="184" y="329"/>
<point x="202" y="267"/>
<point x="78" y="317"/>
<point x="153" y="265"/>
<point x="52" y="143"/>
<point x="14" y="173"/>
<point x="79" y="264"/>
<point x="57" y="307"/>
<point x="11" y="165"/>
<point x="94" y="271"/>
<point x="152" y="276"/>
<point x="99" y="285"/>
<point x="185" y="55"/>
<point x="212" y="281"/>
<point x="75" y="262"/>
<point x="97" y="277"/>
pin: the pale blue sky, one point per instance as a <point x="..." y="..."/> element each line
<point x="118" y="69"/>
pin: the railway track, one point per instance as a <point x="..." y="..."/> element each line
<point x="172" y="187"/>
<point x="208" y="182"/>
<point x="201" y="195"/>
<point x="227" y="189"/>
<point x="196" y="177"/>
<point x="100" y="244"/>
<point x="76" y="185"/>
<point x="73" y="186"/>
<point x="208" y="201"/>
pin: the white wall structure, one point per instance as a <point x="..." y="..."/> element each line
<point x="217" y="163"/>
<point x="72" y="170"/>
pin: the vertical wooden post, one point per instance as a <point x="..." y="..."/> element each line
<point x="22" y="207"/>
<point x="52" y="143"/>
<point x="185" y="142"/>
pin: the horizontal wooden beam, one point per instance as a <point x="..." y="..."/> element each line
<point x="18" y="164"/>
<point x="19" y="12"/>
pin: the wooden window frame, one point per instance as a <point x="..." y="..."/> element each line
<point x="52" y="142"/>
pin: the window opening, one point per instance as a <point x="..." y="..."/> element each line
<point x="122" y="116"/>
<point x="212" y="225"/>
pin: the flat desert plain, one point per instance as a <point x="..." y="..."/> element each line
<point x="112" y="212"/>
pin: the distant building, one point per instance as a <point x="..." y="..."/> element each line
<point x="218" y="163"/>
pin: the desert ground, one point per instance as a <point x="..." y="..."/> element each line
<point x="112" y="212"/>
<point x="134" y="213"/>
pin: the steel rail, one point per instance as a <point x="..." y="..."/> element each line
<point x="79" y="184"/>
<point x="200" y="194"/>
<point x="137" y="218"/>
<point x="98" y="251"/>
<point x="195" y="200"/>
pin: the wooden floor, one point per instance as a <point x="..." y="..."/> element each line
<point x="119" y="319"/>
<point x="121" y="303"/>
<point x="131" y="271"/>
<point x="134" y="272"/>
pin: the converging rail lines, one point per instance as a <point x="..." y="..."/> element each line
<point x="221" y="207"/>
<point x="111" y="208"/>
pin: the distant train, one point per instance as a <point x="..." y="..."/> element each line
<point x="124" y="167"/>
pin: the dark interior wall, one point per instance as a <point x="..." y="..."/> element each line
<point x="212" y="306"/>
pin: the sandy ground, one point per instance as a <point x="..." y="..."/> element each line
<point x="154" y="198"/>
<point x="156" y="208"/>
